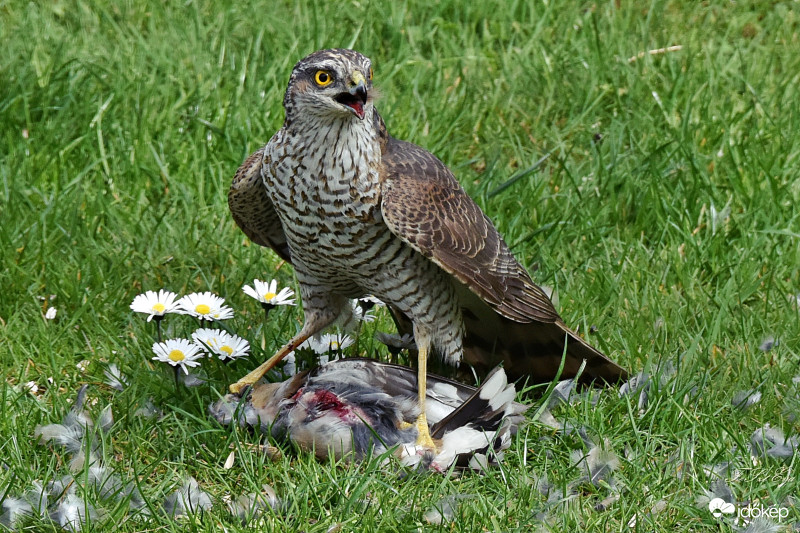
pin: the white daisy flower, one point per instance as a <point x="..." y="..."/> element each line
<point x="363" y="315"/>
<point x="205" y="305"/>
<point x="155" y="304"/>
<point x="208" y="339"/>
<point x="309" y="344"/>
<point x="267" y="293"/>
<point x="233" y="348"/>
<point x="222" y="313"/>
<point x="50" y="314"/>
<point x="178" y="352"/>
<point x="221" y="343"/>
<point x="333" y="343"/>
<point x="369" y="301"/>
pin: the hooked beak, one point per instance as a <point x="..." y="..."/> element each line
<point x="356" y="96"/>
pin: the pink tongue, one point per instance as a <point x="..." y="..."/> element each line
<point x="358" y="108"/>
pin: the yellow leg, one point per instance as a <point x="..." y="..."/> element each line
<point x="265" y="367"/>
<point x="423" y="433"/>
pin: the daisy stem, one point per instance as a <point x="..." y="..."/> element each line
<point x="158" y="328"/>
<point x="267" y="308"/>
<point x="177" y="370"/>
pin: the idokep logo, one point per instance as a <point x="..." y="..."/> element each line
<point x="720" y="507"/>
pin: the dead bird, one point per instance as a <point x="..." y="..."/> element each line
<point x="353" y="407"/>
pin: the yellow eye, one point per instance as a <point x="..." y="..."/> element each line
<point x="323" y="78"/>
<point x="370" y="74"/>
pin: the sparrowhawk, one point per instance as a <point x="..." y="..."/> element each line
<point x="359" y="212"/>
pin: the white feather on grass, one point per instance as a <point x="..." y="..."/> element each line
<point x="771" y="442"/>
<point x="598" y="464"/>
<point x="250" y="506"/>
<point x="73" y="513"/>
<point x="115" y="378"/>
<point x="187" y="500"/>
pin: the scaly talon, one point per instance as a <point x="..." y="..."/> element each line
<point x="239" y="386"/>
<point x="423" y="433"/>
<point x="258" y="373"/>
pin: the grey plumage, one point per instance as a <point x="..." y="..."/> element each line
<point x="187" y="500"/>
<point x="771" y="442"/>
<point x="351" y="407"/>
<point x="76" y="432"/>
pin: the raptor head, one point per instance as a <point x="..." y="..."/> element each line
<point x="334" y="83"/>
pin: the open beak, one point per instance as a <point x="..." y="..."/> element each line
<point x="356" y="96"/>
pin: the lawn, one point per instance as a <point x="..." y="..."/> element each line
<point x="664" y="215"/>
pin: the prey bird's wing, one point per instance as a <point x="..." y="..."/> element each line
<point x="507" y="318"/>
<point x="252" y="209"/>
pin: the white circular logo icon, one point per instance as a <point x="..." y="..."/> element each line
<point x="719" y="507"/>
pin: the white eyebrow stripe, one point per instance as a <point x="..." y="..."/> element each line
<point x="328" y="65"/>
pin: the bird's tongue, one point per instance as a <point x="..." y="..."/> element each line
<point x="358" y="107"/>
<point x="354" y="101"/>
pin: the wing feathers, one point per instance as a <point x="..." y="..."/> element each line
<point x="507" y="318"/>
<point x="424" y="205"/>
<point x="252" y="209"/>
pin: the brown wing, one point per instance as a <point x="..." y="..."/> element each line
<point x="424" y="205"/>
<point x="252" y="209"/>
<point x="507" y="317"/>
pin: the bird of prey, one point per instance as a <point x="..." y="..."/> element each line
<point x="357" y="212"/>
<point x="350" y="407"/>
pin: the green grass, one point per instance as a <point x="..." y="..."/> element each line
<point x="121" y="124"/>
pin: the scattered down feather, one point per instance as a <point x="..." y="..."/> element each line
<point x="353" y="407"/>
<point x="771" y="442"/>
<point x="187" y="500"/>
<point x="76" y="433"/>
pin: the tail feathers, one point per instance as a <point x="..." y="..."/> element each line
<point x="475" y="434"/>
<point x="529" y="350"/>
<point x="598" y="367"/>
<point x="534" y="351"/>
<point x="485" y="409"/>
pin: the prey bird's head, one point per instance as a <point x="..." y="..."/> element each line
<point x="334" y="83"/>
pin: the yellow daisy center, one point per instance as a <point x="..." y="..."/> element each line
<point x="202" y="309"/>
<point x="334" y="345"/>
<point x="227" y="349"/>
<point x="177" y="356"/>
<point x="158" y="307"/>
<point x="269" y="296"/>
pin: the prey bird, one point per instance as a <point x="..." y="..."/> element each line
<point x="357" y="212"/>
<point x="352" y="407"/>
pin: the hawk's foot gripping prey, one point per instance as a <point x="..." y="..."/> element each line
<point x="356" y="212"/>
